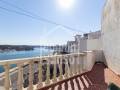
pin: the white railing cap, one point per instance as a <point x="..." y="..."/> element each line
<point x="22" y="60"/>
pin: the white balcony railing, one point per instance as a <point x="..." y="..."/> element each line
<point x="42" y="71"/>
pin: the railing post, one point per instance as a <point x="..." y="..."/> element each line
<point x="20" y="77"/>
<point x="48" y="72"/>
<point x="81" y="64"/>
<point x="66" y="67"/>
<point x="7" y="79"/>
<point x="55" y="70"/>
<point x="78" y="64"/>
<point x="75" y="64"/>
<point x="61" y="71"/>
<point x="40" y="74"/>
<point x="71" y="65"/>
<point x="30" y="75"/>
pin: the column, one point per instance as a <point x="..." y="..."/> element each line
<point x="30" y="75"/>
<point x="40" y="74"/>
<point x="7" y="79"/>
<point x="61" y="77"/>
<point x="48" y="72"/>
<point x="20" y="77"/>
<point x="55" y="70"/>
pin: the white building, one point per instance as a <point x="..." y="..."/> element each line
<point x="89" y="41"/>
<point x="71" y="46"/>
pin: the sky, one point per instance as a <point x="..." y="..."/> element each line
<point x="81" y="15"/>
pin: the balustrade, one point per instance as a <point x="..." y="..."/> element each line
<point x="69" y="65"/>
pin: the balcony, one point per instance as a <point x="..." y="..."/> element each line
<point x="76" y="71"/>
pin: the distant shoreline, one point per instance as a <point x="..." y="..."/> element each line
<point x="8" y="48"/>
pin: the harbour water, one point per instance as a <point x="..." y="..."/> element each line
<point x="23" y="54"/>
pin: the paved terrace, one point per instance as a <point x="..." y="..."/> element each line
<point x="97" y="79"/>
<point x="92" y="80"/>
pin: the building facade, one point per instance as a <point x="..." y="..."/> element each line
<point x="71" y="46"/>
<point x="87" y="42"/>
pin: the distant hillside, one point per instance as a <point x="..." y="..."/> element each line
<point x="16" y="47"/>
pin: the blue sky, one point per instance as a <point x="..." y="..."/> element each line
<point x="83" y="15"/>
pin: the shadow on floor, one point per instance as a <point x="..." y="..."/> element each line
<point x="93" y="80"/>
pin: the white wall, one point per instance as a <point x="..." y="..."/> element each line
<point x="111" y="34"/>
<point x="99" y="56"/>
<point x="90" y="44"/>
<point x="83" y="45"/>
<point x="89" y="61"/>
<point x="94" y="44"/>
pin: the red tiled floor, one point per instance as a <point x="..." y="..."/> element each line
<point x="93" y="80"/>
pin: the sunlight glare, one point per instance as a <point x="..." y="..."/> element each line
<point x="65" y="4"/>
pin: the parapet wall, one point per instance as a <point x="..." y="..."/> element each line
<point x="111" y="34"/>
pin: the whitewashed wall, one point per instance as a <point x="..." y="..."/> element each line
<point x="111" y="34"/>
<point x="90" y="44"/>
<point x="89" y="61"/>
<point x="94" y="44"/>
<point x="83" y="45"/>
<point x="99" y="56"/>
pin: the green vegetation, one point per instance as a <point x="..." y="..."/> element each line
<point x="113" y="87"/>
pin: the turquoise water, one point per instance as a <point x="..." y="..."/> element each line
<point x="23" y="54"/>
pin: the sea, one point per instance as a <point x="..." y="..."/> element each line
<point x="23" y="54"/>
